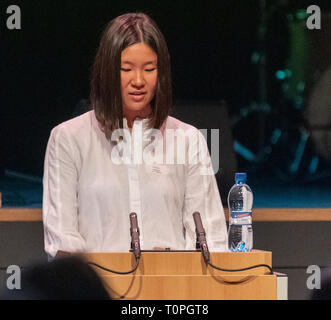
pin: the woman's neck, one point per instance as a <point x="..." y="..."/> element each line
<point x="131" y="116"/>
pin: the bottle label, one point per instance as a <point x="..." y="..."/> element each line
<point x="240" y="247"/>
<point x="240" y="214"/>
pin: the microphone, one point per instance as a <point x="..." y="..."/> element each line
<point x="201" y="236"/>
<point x="134" y="230"/>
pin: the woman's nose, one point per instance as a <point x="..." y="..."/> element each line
<point x="138" y="79"/>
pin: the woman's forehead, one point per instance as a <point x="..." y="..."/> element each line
<point x="138" y="53"/>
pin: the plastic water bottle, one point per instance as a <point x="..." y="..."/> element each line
<point x="240" y="202"/>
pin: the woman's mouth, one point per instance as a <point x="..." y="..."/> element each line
<point x="137" y="96"/>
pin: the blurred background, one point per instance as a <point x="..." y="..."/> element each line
<point x="258" y="57"/>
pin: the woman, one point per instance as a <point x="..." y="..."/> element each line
<point x="100" y="166"/>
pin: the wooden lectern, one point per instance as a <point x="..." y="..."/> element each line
<point x="183" y="275"/>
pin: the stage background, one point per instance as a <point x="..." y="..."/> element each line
<point x="216" y="49"/>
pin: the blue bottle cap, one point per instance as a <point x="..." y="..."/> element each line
<point x="240" y="177"/>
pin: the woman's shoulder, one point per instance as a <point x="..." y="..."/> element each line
<point x="181" y="127"/>
<point x="174" y="123"/>
<point x="76" y="126"/>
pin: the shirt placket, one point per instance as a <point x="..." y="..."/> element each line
<point x="133" y="175"/>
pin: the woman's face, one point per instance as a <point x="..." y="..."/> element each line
<point x="138" y="79"/>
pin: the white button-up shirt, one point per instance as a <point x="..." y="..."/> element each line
<point x="92" y="184"/>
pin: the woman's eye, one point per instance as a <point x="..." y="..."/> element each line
<point x="125" y="70"/>
<point x="149" y="70"/>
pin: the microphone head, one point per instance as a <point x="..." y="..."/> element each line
<point x="201" y="239"/>
<point x="134" y="230"/>
<point x="198" y="222"/>
<point x="134" y="222"/>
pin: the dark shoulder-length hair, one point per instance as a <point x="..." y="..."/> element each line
<point x="105" y="95"/>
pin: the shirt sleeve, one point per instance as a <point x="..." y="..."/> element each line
<point x="202" y="195"/>
<point x="60" y="214"/>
